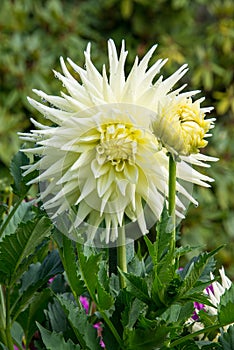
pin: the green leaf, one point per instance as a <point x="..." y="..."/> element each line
<point x="3" y="347"/>
<point x="57" y="317"/>
<point x="137" y="286"/>
<point x="227" y="339"/>
<point x="226" y="307"/>
<point x="23" y="213"/>
<point x="71" y="267"/>
<point x="136" y="309"/>
<point x="36" y="313"/>
<point x="178" y="313"/>
<point x="17" y="247"/>
<point x="17" y="333"/>
<point x="19" y="187"/>
<point x="104" y="299"/>
<point x="194" y="272"/>
<point x="89" y="268"/>
<point x="85" y="332"/>
<point x="38" y="274"/>
<point x="163" y="259"/>
<point x="56" y="341"/>
<point x="148" y="338"/>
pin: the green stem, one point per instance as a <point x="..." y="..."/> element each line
<point x="172" y="196"/>
<point x="2" y="317"/>
<point x="10" y="343"/>
<point x="193" y="335"/>
<point x="12" y="212"/>
<point x="122" y="256"/>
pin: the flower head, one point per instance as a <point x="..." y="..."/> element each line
<point x="180" y="124"/>
<point x="101" y="165"/>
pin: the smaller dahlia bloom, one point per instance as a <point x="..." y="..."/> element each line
<point x="180" y="124"/>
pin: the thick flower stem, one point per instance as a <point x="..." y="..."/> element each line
<point x="122" y="256"/>
<point x="172" y="197"/>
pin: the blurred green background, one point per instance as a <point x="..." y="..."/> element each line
<point x="33" y="34"/>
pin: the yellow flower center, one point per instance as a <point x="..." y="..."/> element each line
<point x="118" y="145"/>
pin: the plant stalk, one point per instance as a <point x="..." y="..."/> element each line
<point x="2" y="317"/>
<point x="122" y="255"/>
<point x="172" y="197"/>
<point x="10" y="344"/>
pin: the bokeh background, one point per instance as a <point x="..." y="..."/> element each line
<point x="33" y="34"/>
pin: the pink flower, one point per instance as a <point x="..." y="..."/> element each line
<point x="99" y="329"/>
<point x="98" y="326"/>
<point x="85" y="303"/>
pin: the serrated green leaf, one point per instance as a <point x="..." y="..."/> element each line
<point x="137" y="286"/>
<point x="22" y="214"/>
<point x="89" y="267"/>
<point x="38" y="274"/>
<point x="85" y="332"/>
<point x="162" y="254"/>
<point x="148" y="338"/>
<point x="71" y="267"/>
<point x="56" y="341"/>
<point x="34" y="279"/>
<point x="16" y="248"/>
<point x="227" y="339"/>
<point x="104" y="299"/>
<point x="133" y="313"/>
<point x="19" y="187"/>
<point x="226" y="307"/>
<point x="194" y="270"/>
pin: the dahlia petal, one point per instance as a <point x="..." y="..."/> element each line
<point x="53" y="114"/>
<point x="88" y="187"/>
<point x="59" y="102"/>
<point x="83" y="212"/>
<point x="104" y="182"/>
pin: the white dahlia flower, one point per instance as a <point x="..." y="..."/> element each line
<point x="100" y="161"/>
